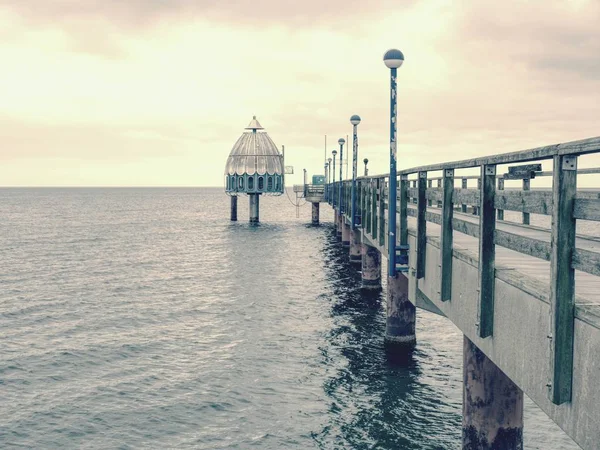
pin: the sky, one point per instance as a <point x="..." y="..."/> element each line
<point x="156" y="92"/>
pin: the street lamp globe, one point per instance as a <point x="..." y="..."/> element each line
<point x="334" y="153"/>
<point x="341" y="141"/>
<point x="355" y="119"/>
<point x="366" y="161"/>
<point x="393" y="58"/>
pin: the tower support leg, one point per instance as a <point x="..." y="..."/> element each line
<point x="254" y="207"/>
<point x="492" y="404"/>
<point x="234" y="207"/>
<point x="370" y="267"/>
<point x="315" y="214"/>
<point x="400" y="317"/>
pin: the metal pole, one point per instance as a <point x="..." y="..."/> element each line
<point x="333" y="186"/>
<point x="354" y="120"/>
<point x="341" y="142"/>
<point x="393" y="176"/>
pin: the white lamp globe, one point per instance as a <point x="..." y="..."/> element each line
<point x="355" y="119"/>
<point x="393" y="58"/>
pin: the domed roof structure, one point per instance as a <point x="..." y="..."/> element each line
<point x="255" y="165"/>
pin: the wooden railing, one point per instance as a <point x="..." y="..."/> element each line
<point x="437" y="204"/>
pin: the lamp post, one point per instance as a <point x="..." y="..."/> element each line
<point x="333" y="186"/>
<point x="341" y="141"/>
<point x="392" y="59"/>
<point x="366" y="161"/>
<point x="354" y="120"/>
<point x="329" y="178"/>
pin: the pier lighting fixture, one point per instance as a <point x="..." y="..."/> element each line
<point x="393" y="59"/>
<point x="341" y="141"/>
<point x="366" y="161"/>
<point x="354" y="120"/>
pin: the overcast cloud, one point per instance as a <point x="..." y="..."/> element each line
<point x="156" y="92"/>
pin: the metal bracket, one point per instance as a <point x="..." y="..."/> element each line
<point x="449" y="173"/>
<point x="490" y="170"/>
<point x="569" y="162"/>
<point x="422" y="174"/>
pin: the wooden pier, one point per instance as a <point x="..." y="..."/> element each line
<point x="525" y="297"/>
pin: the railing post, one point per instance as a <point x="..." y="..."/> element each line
<point x="403" y="210"/>
<point x="562" y="278"/>
<point x="421" y="225"/>
<point x="374" y="208"/>
<point x="463" y="185"/>
<point x="526" y="187"/>
<point x="501" y="188"/>
<point x="487" y="250"/>
<point x="446" y="236"/>
<point x="439" y="185"/>
<point x="382" y="192"/>
<point x="429" y="186"/>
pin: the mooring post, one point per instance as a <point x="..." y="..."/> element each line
<point x="254" y="208"/>
<point x="234" y="208"/>
<point x="370" y="267"/>
<point x="315" y="213"/>
<point x="492" y="404"/>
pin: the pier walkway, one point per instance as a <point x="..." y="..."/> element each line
<point x="527" y="298"/>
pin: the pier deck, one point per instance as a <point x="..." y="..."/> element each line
<point x="532" y="303"/>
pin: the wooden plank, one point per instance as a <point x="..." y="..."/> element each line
<point x="403" y="210"/>
<point x="487" y="251"/>
<point x="421" y="225"/>
<point x="525" y="169"/>
<point x="586" y="261"/>
<point x="463" y="206"/>
<point x="466" y="197"/>
<point x="538" y="202"/>
<point x="586" y="209"/>
<point x="446" y="236"/>
<point x="522" y="244"/>
<point x="500" y="188"/>
<point x="526" y="187"/>
<point x="562" y="279"/>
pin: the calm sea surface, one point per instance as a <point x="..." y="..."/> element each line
<point x="143" y="318"/>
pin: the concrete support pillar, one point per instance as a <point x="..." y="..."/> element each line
<point x="345" y="233"/>
<point x="492" y="404"/>
<point x="254" y="208"/>
<point x="339" y="218"/>
<point x="234" y="208"/>
<point x="355" y="246"/>
<point x="371" y="267"/>
<point x="401" y="315"/>
<point x="315" y="214"/>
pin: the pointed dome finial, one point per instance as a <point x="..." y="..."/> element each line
<point x="254" y="125"/>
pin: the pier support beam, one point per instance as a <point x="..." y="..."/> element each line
<point x="338" y="219"/>
<point x="371" y="267"/>
<point x="345" y="233"/>
<point x="254" y="208"/>
<point x="234" y="208"/>
<point x="355" y="246"/>
<point x="315" y="214"/>
<point x="401" y="315"/>
<point x="492" y="404"/>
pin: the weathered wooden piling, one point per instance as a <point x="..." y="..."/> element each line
<point x="315" y="213"/>
<point x="234" y="208"/>
<point x="345" y="233"/>
<point x="370" y="267"/>
<point x="355" y="246"/>
<point x="254" y="207"/>
<point x="400" y="315"/>
<point x="492" y="404"/>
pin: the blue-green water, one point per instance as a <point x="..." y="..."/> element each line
<point x="143" y="318"/>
